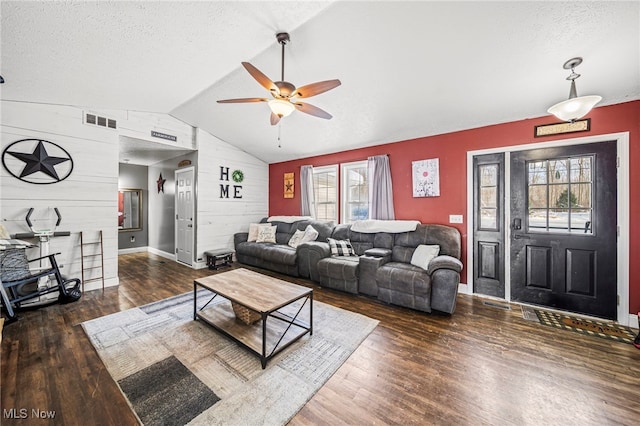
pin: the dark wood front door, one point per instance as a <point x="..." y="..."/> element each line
<point x="564" y="228"/>
<point x="488" y="225"/>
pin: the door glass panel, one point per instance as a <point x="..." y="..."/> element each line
<point x="537" y="196"/>
<point x="488" y="196"/>
<point x="488" y="175"/>
<point x="558" y="171"/>
<point x="538" y="219"/>
<point x="537" y="172"/>
<point x="559" y="220"/>
<point x="559" y="195"/>
<point x="488" y="218"/>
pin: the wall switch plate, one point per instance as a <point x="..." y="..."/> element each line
<point x="455" y="218"/>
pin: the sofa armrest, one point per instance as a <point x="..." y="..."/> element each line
<point x="445" y="277"/>
<point x="444" y="262"/>
<point x="240" y="237"/>
<point x="378" y="252"/>
<point x="308" y="256"/>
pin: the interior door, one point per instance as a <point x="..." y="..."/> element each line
<point x="184" y="215"/>
<point x="563" y="228"/>
<point x="488" y="225"/>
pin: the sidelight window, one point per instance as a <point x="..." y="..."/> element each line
<point x="488" y="196"/>
<point x="560" y="195"/>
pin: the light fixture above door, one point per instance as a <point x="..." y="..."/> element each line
<point x="575" y="107"/>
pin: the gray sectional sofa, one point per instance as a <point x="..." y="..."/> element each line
<point x="380" y="267"/>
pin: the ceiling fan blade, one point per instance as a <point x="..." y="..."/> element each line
<point x="261" y="78"/>
<point x="274" y="119"/>
<point x="312" y="110"/>
<point x="242" y="100"/>
<point x="316" y="88"/>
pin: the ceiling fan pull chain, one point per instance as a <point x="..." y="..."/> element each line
<point x="279" y="132"/>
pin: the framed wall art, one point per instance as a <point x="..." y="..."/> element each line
<point x="426" y="178"/>
<point x="288" y="185"/>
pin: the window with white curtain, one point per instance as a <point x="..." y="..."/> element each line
<point x="325" y="189"/>
<point x="355" y="191"/>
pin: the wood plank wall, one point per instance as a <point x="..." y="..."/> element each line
<point x="88" y="198"/>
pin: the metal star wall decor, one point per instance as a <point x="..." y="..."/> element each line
<point x="160" y="183"/>
<point x="36" y="165"/>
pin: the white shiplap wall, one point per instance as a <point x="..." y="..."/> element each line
<point x="219" y="218"/>
<point x="86" y="199"/>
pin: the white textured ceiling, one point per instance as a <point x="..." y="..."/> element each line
<point x="408" y="69"/>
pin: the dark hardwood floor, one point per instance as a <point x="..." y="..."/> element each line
<point x="483" y="365"/>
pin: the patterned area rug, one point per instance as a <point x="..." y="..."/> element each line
<point x="605" y="330"/>
<point x="175" y="371"/>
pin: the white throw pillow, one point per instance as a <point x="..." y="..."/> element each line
<point x="310" y="234"/>
<point x="253" y="230"/>
<point x="423" y="255"/>
<point x="267" y="234"/>
<point x="296" y="238"/>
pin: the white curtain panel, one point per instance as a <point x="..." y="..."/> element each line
<point x="306" y="192"/>
<point x="380" y="188"/>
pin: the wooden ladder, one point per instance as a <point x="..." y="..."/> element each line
<point x="90" y="258"/>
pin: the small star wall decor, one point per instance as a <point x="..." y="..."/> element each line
<point x="160" y="183"/>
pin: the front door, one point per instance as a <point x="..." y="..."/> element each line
<point x="563" y="243"/>
<point x="184" y="215"/>
<point x="488" y="225"/>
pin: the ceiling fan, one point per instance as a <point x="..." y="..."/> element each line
<point x="285" y="95"/>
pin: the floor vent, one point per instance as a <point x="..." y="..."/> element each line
<point x="97" y="120"/>
<point x="497" y="305"/>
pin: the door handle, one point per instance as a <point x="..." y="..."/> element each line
<point x="521" y="237"/>
<point x="189" y="226"/>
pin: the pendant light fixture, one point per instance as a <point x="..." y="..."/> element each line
<point x="575" y="107"/>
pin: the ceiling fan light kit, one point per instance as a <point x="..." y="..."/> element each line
<point x="575" y="107"/>
<point x="280" y="107"/>
<point x="285" y="95"/>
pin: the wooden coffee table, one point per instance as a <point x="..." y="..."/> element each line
<point x="266" y="297"/>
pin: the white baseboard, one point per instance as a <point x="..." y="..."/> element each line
<point x="164" y="254"/>
<point x="133" y="250"/>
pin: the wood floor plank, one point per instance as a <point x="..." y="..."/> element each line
<point x="482" y="365"/>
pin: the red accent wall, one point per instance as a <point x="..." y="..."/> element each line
<point x="451" y="149"/>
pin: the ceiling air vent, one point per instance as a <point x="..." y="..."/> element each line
<point x="96" y="120"/>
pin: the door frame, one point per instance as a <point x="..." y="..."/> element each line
<point x="622" y="153"/>
<point x="195" y="221"/>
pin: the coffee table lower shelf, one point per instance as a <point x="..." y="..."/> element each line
<point x="265" y="338"/>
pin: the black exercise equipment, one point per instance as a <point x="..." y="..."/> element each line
<point x="21" y="287"/>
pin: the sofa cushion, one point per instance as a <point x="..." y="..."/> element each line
<point x="341" y="247"/>
<point x="404" y="278"/>
<point x="423" y="255"/>
<point x="339" y="267"/>
<point x="278" y="253"/>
